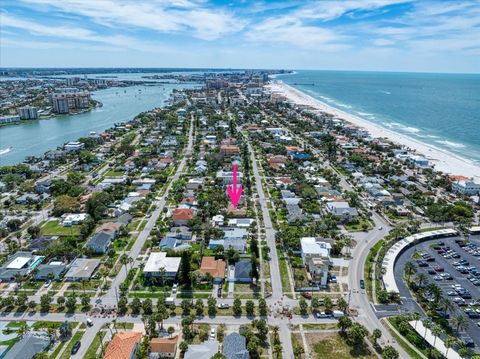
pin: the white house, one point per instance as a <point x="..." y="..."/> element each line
<point x="159" y="261"/>
<point x="316" y="257"/>
<point x="469" y="188"/>
<point x="74" y="146"/>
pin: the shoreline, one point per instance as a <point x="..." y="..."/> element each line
<point x="442" y="160"/>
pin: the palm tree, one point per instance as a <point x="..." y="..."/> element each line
<point x="460" y="322"/>
<point x="427" y="323"/>
<point x="422" y="279"/>
<point x="416" y="317"/>
<point x="410" y="269"/>
<point x="448" y="343"/>
<point x="447" y="306"/>
<point x="436" y="331"/>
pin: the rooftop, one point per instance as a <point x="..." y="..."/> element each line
<point x="158" y="260"/>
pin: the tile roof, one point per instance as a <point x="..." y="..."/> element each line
<point x="164" y="345"/>
<point x="182" y="214"/>
<point x="215" y="267"/>
<point x="122" y="345"/>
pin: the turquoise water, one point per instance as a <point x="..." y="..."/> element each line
<point x="439" y="109"/>
<point x="119" y="104"/>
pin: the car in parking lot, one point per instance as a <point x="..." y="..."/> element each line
<point x="451" y="293"/>
<point x="438" y="278"/>
<point x="446" y="276"/>
<point x="438" y="269"/>
<point x="421" y="263"/>
<point x="431" y="271"/>
<point x="322" y="315"/>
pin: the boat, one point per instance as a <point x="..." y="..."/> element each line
<point x="5" y="150"/>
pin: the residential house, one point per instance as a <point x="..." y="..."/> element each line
<point x="194" y="183"/>
<point x="21" y="263"/>
<point x="165" y="347"/>
<point x="158" y="265"/>
<point x="316" y="257"/>
<point x="101" y="241"/>
<point x="28" y="198"/>
<point x="215" y="267"/>
<point x="29" y="346"/>
<point x="181" y="216"/>
<point x="242" y="272"/>
<point x="466" y="188"/>
<point x="218" y="220"/>
<point x="342" y="210"/>
<point x="235" y="347"/>
<point x="240" y="222"/>
<point x="124" y="345"/>
<point x="227" y="176"/>
<point x="229" y="150"/>
<point x="72" y="219"/>
<point x="82" y="269"/>
<point x="206" y="350"/>
<point x="55" y="270"/>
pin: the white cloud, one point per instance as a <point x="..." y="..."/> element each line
<point x="163" y="16"/>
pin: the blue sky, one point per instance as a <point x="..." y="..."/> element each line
<point x="386" y="35"/>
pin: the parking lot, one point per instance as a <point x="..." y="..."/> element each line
<point x="455" y="268"/>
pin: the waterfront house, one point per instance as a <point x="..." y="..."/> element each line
<point x="74" y="146"/>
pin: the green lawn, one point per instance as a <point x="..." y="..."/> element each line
<point x="90" y="354"/>
<point x="357" y="227"/>
<point x="284" y="274"/>
<point x="113" y="173"/>
<point x="334" y="346"/>
<point x="55" y="228"/>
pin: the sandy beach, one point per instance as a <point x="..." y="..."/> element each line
<point x="442" y="160"/>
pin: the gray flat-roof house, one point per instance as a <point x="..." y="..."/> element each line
<point x="30" y="345"/>
<point x="206" y="350"/>
<point x="101" y="241"/>
<point x="55" y="269"/>
<point x="20" y="263"/>
<point x="242" y="271"/>
<point x="82" y="268"/>
<point x="235" y="347"/>
<point x="342" y="210"/>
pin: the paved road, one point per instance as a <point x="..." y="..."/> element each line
<point x="160" y="204"/>
<point x="276" y="281"/>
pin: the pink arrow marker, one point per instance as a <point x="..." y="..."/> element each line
<point x="234" y="192"/>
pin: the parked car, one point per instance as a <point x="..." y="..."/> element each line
<point x="362" y="284"/>
<point x="75" y="347"/>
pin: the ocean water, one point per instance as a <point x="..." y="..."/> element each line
<point x="439" y="109"/>
<point x="34" y="138"/>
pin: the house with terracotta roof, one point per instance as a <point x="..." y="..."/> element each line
<point x="215" y="267"/>
<point x="165" y="347"/>
<point x="124" y="345"/>
<point x="229" y="150"/>
<point x="277" y="162"/>
<point x="181" y="216"/>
